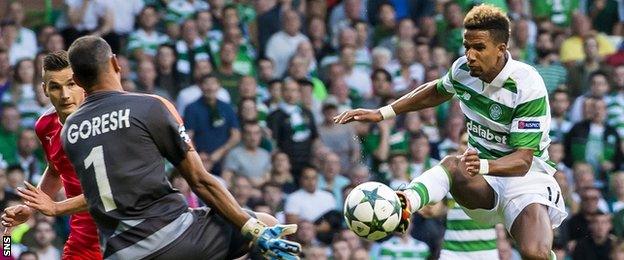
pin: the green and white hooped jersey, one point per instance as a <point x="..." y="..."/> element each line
<point x="466" y="239"/>
<point x="510" y="113"/>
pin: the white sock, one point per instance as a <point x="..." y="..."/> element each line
<point x="430" y="187"/>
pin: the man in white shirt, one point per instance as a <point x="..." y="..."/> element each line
<point x="283" y="44"/>
<point x="25" y="44"/>
<point x="308" y="203"/>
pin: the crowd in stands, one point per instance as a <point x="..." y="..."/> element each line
<point x="257" y="84"/>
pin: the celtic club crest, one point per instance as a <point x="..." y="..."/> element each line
<point x="495" y="111"/>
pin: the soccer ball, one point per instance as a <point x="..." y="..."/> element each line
<point x="372" y="210"/>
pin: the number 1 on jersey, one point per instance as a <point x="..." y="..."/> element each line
<point x="96" y="158"/>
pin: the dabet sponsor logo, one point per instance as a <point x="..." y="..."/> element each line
<point x="528" y="125"/>
<point x="485" y="133"/>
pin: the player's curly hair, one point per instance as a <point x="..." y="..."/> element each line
<point x="490" y="18"/>
<point x="56" y="61"/>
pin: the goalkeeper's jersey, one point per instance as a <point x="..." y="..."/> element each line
<point x="510" y="113"/>
<point x="466" y="239"/>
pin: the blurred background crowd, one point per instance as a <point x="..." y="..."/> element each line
<point x="258" y="82"/>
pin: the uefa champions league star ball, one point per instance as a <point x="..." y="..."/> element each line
<point x="372" y="210"/>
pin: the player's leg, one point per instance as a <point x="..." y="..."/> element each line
<point x="433" y="185"/>
<point x="532" y="231"/>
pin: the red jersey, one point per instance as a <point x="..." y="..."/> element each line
<point x="83" y="242"/>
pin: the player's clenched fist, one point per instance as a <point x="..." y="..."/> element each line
<point x="362" y="115"/>
<point x="15" y="215"/>
<point x="470" y="160"/>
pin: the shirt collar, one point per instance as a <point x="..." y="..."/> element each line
<point x="502" y="76"/>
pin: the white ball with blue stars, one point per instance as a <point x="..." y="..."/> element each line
<point x="372" y="210"/>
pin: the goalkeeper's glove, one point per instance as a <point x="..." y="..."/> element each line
<point x="269" y="241"/>
<point x="406" y="213"/>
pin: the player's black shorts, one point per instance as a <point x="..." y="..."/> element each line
<point x="210" y="236"/>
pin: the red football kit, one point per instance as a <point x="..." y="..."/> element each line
<point x="83" y="242"/>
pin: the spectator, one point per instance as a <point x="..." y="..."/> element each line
<point x="44" y="236"/>
<point x="319" y="40"/>
<point x="298" y="69"/>
<point x="267" y="22"/>
<point x="281" y="172"/>
<point x="242" y="190"/>
<point x="571" y="49"/>
<point x="145" y="41"/>
<point x="5" y="72"/>
<point x="191" y="93"/>
<point x="340" y="250"/>
<point x="123" y="15"/>
<point x="598" y="89"/>
<point x="580" y="72"/>
<point x="408" y="74"/>
<point x="23" y="94"/>
<point x="180" y="10"/>
<point x="356" y="78"/>
<point x="20" y="42"/>
<point x="146" y="80"/>
<point x="249" y="160"/>
<point x="615" y="103"/>
<point x="399" y="172"/>
<point x="600" y="244"/>
<point x="167" y="75"/>
<point x="206" y="30"/>
<point x="306" y="235"/>
<point x="387" y="23"/>
<point x="359" y="174"/>
<point x="5" y="194"/>
<point x="308" y="203"/>
<point x="595" y="142"/>
<point x="32" y="164"/>
<point x="401" y="246"/>
<point x="229" y="78"/>
<point x="273" y="196"/>
<point x="339" y="138"/>
<point x="556" y="152"/>
<point x="265" y="72"/>
<point x="382" y="88"/>
<point x="604" y="16"/>
<point x="28" y="255"/>
<point x="559" y="107"/>
<point x="283" y="44"/>
<point x="421" y="159"/>
<point x="86" y="17"/>
<point x="190" y="48"/>
<point x="10" y="124"/>
<point x="15" y="176"/>
<point x="54" y="42"/>
<point x="217" y="135"/>
<point x="453" y="131"/>
<point x="345" y="13"/>
<point x="584" y="177"/>
<point x="617" y="191"/>
<point x="331" y="178"/>
<point x="578" y="224"/>
<point x="547" y="63"/>
<point x="293" y="127"/>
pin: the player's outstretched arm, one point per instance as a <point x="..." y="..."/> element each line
<point x="210" y="190"/>
<point x="424" y="96"/>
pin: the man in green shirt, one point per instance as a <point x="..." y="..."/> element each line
<point x="225" y="73"/>
<point x="9" y="129"/>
